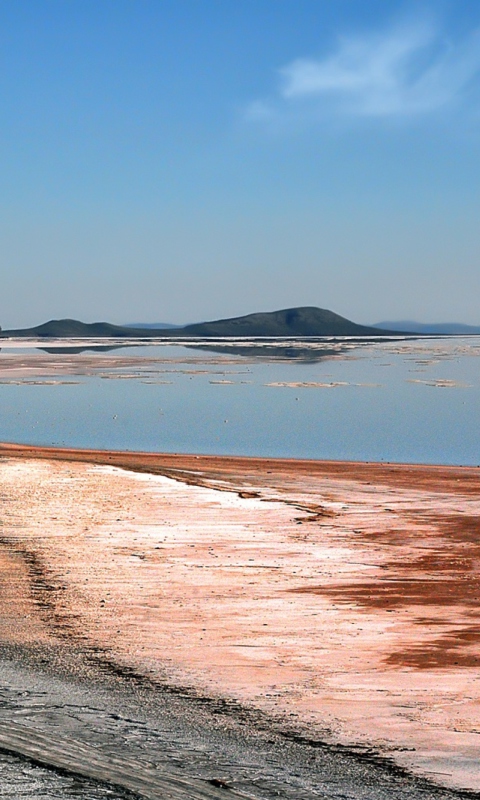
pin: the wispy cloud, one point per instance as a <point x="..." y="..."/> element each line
<point x="406" y="71"/>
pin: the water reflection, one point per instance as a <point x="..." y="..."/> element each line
<point x="311" y="350"/>
<point x="94" y="348"/>
<point x="396" y="400"/>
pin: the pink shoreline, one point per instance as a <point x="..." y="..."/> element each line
<point x="343" y="594"/>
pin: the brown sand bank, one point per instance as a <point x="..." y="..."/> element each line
<point x="340" y="598"/>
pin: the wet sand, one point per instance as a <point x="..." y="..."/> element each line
<point x="337" y="602"/>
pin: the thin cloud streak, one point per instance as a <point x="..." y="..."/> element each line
<point x="407" y="71"/>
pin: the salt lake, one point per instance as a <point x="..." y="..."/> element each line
<point x="399" y="400"/>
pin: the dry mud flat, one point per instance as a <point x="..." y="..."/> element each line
<point x="296" y="603"/>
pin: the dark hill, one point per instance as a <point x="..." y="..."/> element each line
<point x="305" y="321"/>
<point x="73" y="329"/>
<point x="299" y="322"/>
<point x="152" y="325"/>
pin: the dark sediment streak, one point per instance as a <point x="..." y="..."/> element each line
<point x="136" y="740"/>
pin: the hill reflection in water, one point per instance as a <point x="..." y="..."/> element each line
<point x="398" y="399"/>
<point x="310" y="350"/>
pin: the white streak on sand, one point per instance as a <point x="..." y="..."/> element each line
<point x="200" y="586"/>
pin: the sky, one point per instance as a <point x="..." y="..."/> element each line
<point x="183" y="160"/>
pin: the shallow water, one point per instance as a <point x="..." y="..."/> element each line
<point x="405" y="401"/>
<point x="150" y="734"/>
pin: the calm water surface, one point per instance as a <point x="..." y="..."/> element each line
<point x="408" y="400"/>
<point x="416" y="401"/>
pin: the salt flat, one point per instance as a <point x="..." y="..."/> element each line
<point x="338" y="600"/>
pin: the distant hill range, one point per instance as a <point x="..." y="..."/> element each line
<point x="305" y="321"/>
<point x="439" y="328"/>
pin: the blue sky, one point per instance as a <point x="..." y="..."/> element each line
<point x="178" y="160"/>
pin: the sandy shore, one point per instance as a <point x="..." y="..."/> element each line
<point x="339" y="599"/>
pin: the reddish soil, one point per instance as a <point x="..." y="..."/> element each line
<point x="343" y="596"/>
<point x="432" y="478"/>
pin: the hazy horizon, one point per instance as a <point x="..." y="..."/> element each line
<point x="158" y="322"/>
<point x="192" y="160"/>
